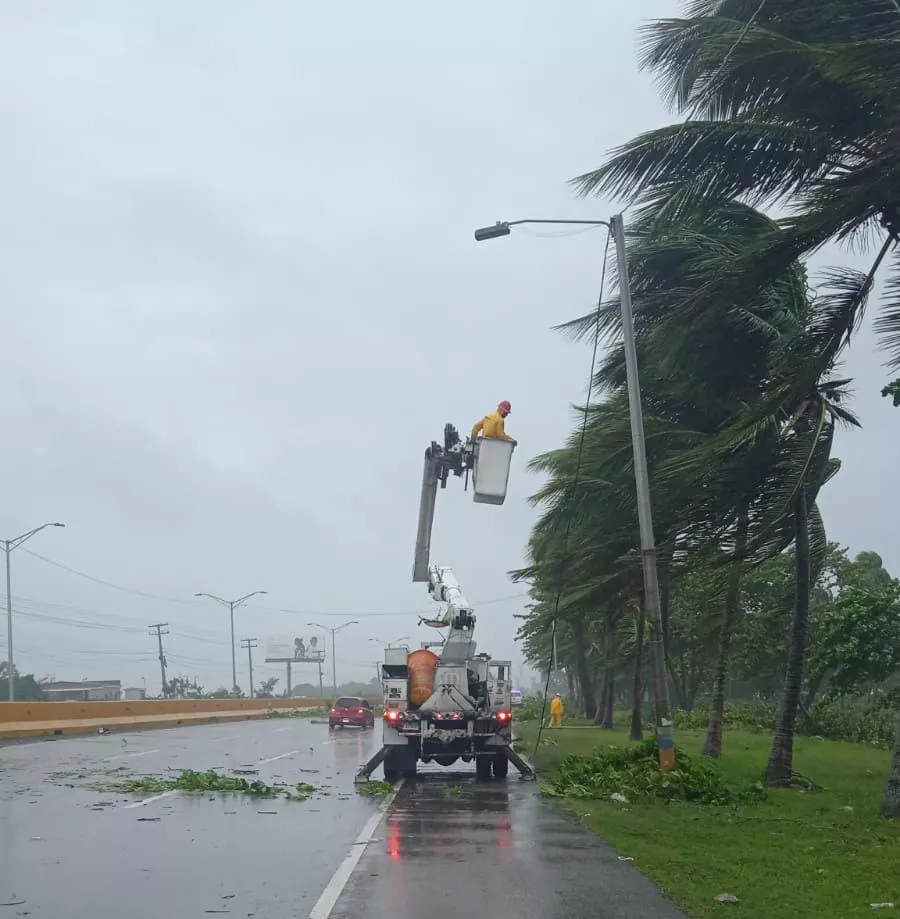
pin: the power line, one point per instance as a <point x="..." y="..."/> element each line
<point x="279" y="609"/>
<point x="111" y="584"/>
<point x="564" y="558"/>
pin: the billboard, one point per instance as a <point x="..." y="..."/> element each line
<point x="294" y="648"/>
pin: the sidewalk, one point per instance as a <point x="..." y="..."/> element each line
<point x="14" y="730"/>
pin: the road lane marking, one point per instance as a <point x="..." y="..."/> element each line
<point x="109" y="759"/>
<point x="281" y="730"/>
<point x="146" y="801"/>
<point x="335" y="887"/>
<point x="272" y="759"/>
<point x="325" y="743"/>
<point x="225" y="737"/>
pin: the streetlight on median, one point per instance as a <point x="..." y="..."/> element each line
<point x="334" y="631"/>
<point x="616" y="227"/>
<point x="388" y="644"/>
<point x="231" y="604"/>
<point x="8" y="545"/>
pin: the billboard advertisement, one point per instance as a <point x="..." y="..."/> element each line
<point x="294" y="648"/>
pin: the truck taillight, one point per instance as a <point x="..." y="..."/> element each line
<point x="504" y="716"/>
<point x="392" y="714"/>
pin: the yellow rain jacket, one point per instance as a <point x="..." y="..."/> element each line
<point x="491" y="426"/>
<point x="557" y="707"/>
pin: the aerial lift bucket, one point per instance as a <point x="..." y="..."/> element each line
<point x="493" y="457"/>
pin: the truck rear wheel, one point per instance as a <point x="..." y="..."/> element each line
<point x="483" y="766"/>
<point x="500" y="764"/>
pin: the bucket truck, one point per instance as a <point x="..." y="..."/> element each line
<point x="451" y="703"/>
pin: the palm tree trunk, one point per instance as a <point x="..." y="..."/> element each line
<point x="588" y="699"/>
<point x="637" y="720"/>
<point x="890" y="803"/>
<point x="780" y="768"/>
<point x="712" y="746"/>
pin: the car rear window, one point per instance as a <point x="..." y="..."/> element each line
<point x="347" y="702"/>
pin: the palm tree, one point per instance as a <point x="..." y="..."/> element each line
<point x="792" y="102"/>
<point x="702" y="365"/>
<point x="890" y="803"/>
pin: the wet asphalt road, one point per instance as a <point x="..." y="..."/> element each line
<point x="452" y="847"/>
<point x="71" y="851"/>
<point x="448" y="847"/>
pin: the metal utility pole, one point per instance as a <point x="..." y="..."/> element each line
<point x="232" y="604"/>
<point x="642" y="481"/>
<point x="8" y="545"/>
<point x="249" y="644"/>
<point x="334" y="631"/>
<point x="616" y="227"/>
<point x="158" y="628"/>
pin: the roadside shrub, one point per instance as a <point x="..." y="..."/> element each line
<point x="853" y="720"/>
<point x="758" y="717"/>
<point x="856" y="720"/>
<point x="530" y="709"/>
<point x="633" y="772"/>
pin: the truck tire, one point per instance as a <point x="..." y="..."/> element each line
<point x="483" y="766"/>
<point x="392" y="764"/>
<point x="500" y="765"/>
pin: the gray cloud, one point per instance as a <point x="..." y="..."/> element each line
<point x="241" y="295"/>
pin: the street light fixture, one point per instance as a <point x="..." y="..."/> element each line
<point x="231" y="604"/>
<point x="388" y="644"/>
<point x="645" y="518"/>
<point x="334" y="631"/>
<point x="8" y="545"/>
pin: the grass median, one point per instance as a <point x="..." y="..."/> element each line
<point x="798" y="853"/>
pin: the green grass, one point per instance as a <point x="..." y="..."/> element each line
<point x="825" y="854"/>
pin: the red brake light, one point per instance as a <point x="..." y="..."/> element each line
<point x="504" y="716"/>
<point x="392" y="714"/>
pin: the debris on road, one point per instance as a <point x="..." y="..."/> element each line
<point x="209" y="781"/>
<point x="375" y="788"/>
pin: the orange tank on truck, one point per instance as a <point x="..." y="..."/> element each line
<point x="422" y="666"/>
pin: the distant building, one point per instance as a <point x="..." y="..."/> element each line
<point x="134" y="693"/>
<point x="84" y="691"/>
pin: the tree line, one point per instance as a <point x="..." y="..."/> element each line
<point x="785" y="141"/>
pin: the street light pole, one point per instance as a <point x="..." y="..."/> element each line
<point x="231" y="604"/>
<point x="334" y="631"/>
<point x="8" y="545"/>
<point x="642" y="481"/>
<point x="642" y="484"/>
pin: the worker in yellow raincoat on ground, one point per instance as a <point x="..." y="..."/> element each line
<point x="557" y="710"/>
<point x="493" y="425"/>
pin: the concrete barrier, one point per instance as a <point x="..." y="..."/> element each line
<point x="78" y="711"/>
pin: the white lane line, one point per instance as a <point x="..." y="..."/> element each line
<point x="272" y="759"/>
<point x="109" y="759"/>
<point x="281" y="730"/>
<point x="325" y="743"/>
<point x="335" y="887"/>
<point x="147" y="801"/>
<point x="225" y="737"/>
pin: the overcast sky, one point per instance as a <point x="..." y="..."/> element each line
<point x="240" y="296"/>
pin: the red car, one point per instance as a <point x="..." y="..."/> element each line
<point x="351" y="711"/>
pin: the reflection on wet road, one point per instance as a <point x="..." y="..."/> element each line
<point x="71" y="851"/>
<point x="449" y="846"/>
<point x="455" y="847"/>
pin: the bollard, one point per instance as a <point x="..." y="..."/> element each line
<point x="666" y="746"/>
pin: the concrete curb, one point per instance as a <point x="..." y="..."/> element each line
<point x="49" y="729"/>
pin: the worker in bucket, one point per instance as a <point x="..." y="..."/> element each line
<point x="493" y="425"/>
<point x="557" y="710"/>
